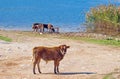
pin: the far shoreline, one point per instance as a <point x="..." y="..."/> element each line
<point x="75" y="34"/>
<point x="17" y="35"/>
<point x="31" y="30"/>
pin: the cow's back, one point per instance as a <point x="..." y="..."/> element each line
<point x="45" y="26"/>
<point x="47" y="53"/>
<point x="38" y="50"/>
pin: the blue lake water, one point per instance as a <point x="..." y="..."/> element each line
<point x="66" y="14"/>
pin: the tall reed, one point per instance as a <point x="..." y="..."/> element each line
<point x="104" y="19"/>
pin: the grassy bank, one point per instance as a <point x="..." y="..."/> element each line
<point x="102" y="41"/>
<point x="20" y="35"/>
<point x="110" y="42"/>
<point x="5" y="38"/>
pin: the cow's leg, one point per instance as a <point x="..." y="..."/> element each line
<point x="42" y="28"/>
<point x="34" y="65"/>
<point x="35" y="30"/>
<point x="38" y="66"/>
<point x="55" y="65"/>
<point x="35" y="61"/>
<point x="48" y="28"/>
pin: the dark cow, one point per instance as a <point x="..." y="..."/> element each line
<point x="49" y="27"/>
<point x="40" y="26"/>
<point x="49" y="53"/>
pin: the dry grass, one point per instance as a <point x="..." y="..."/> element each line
<point x="82" y="61"/>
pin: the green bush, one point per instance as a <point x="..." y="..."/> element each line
<point x="105" y="19"/>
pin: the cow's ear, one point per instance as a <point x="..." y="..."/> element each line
<point x="68" y="46"/>
<point x="60" y="47"/>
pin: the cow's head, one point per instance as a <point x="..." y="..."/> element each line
<point x="63" y="49"/>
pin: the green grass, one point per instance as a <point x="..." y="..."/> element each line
<point x="5" y="38"/>
<point x="95" y="41"/>
<point x="110" y="42"/>
<point x="108" y="76"/>
<point x="102" y="41"/>
<point x="70" y="37"/>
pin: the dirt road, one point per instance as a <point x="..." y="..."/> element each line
<point x="82" y="61"/>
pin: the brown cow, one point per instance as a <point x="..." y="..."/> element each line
<point x="49" y="53"/>
<point x="40" y="26"/>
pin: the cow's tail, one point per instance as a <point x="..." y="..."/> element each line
<point x="34" y="54"/>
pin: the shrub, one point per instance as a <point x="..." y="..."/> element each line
<point x="104" y="19"/>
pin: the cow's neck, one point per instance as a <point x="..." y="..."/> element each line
<point x="61" y="53"/>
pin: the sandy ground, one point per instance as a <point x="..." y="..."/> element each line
<point x="82" y="61"/>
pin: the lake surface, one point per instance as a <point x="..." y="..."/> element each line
<point x="66" y="14"/>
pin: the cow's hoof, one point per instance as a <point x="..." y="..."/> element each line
<point x="34" y="73"/>
<point x="55" y="72"/>
<point x="40" y="72"/>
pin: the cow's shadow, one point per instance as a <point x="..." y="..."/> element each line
<point x="75" y="73"/>
<point x="72" y="73"/>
